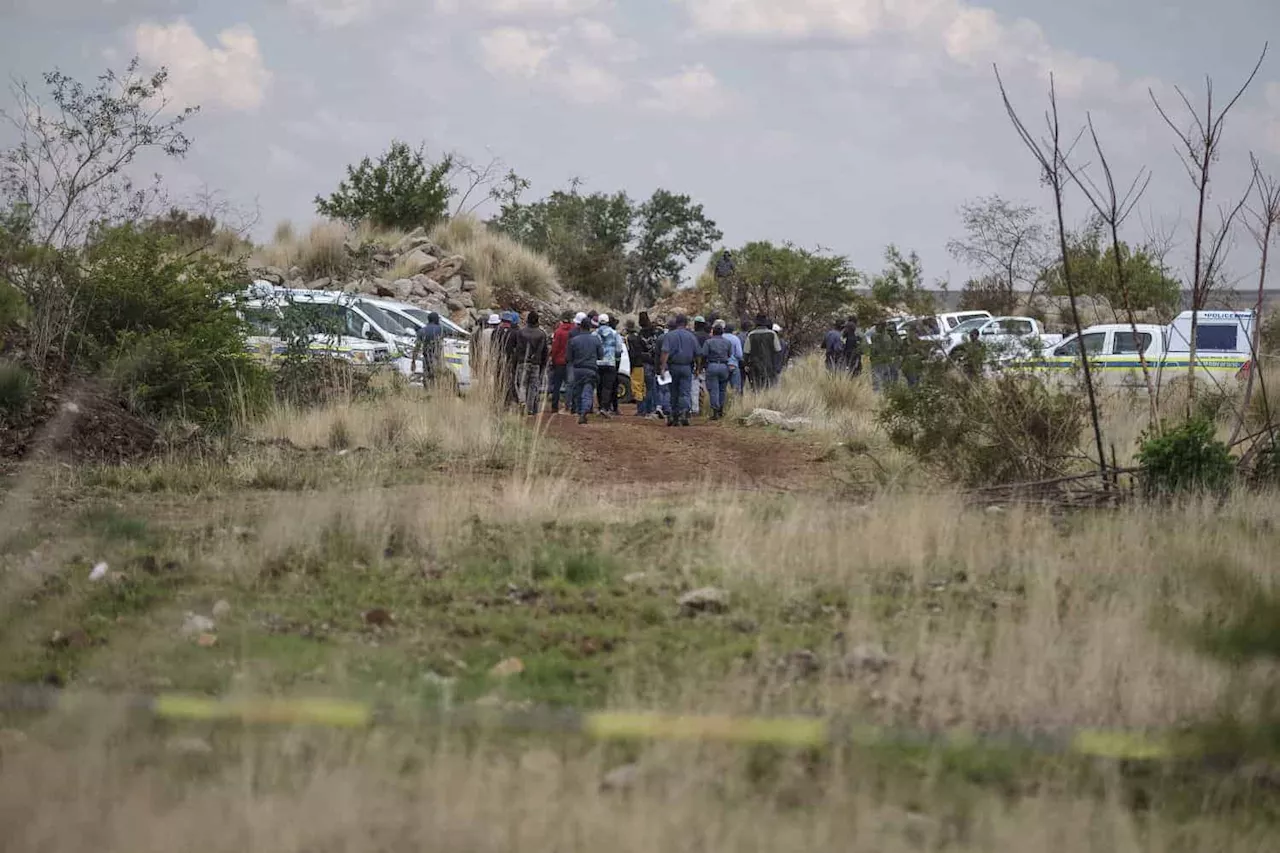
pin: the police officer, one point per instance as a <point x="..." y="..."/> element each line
<point x="679" y="355"/>
<point x="430" y="343"/>
<point x="833" y="347"/>
<point x="585" y="353"/>
<point x="716" y="354"/>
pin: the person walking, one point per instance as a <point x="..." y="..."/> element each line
<point x="607" y="368"/>
<point x="430" y="344"/>
<point x="575" y="396"/>
<point x="679" y="355"/>
<point x="852" y="347"/>
<point x="833" y="347"/>
<point x="560" y="361"/>
<point x="716" y="353"/>
<point x="702" y="333"/>
<point x="651" y="333"/>
<point x="482" y="345"/>
<point x="585" y="353"/>
<point x="532" y="348"/>
<point x="762" y="352"/>
<point x="735" y="360"/>
<point x="783" y="356"/>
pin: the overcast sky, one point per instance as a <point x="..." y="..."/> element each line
<point x="842" y="123"/>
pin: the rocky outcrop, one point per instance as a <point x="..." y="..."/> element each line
<point x="428" y="276"/>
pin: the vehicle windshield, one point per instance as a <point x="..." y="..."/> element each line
<point x="969" y="325"/>
<point x="389" y="321"/>
<point x="316" y="318"/>
<point x="965" y="319"/>
<point x="417" y="314"/>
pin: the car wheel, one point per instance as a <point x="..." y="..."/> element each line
<point x="624" y="390"/>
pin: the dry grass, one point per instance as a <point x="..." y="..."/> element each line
<point x="320" y="253"/>
<point x="501" y="266"/>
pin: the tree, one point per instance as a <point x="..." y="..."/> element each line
<point x="901" y="283"/>
<point x="608" y="247"/>
<point x="1008" y="243"/>
<point x="67" y="175"/>
<point x="988" y="293"/>
<point x="672" y="231"/>
<point x="799" y="289"/>
<point x="585" y="236"/>
<point x="402" y="190"/>
<point x="1096" y="274"/>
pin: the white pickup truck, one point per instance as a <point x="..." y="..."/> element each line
<point x="1007" y="338"/>
<point x="1223" y="347"/>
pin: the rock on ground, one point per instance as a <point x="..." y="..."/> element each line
<point x="706" y="600"/>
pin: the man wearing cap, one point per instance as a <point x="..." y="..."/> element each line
<point x="575" y="394"/>
<point x="635" y="348"/>
<point x="585" y="353"/>
<point x="679" y="354"/>
<point x="651" y="340"/>
<point x="560" y="361"/>
<point x="482" y="344"/>
<point x="716" y="352"/>
<point x="762" y="351"/>
<point x="607" y="366"/>
<point x="783" y="355"/>
<point x="430" y="343"/>
<point x="532" y="348"/>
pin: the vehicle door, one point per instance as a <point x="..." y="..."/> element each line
<point x="1064" y="359"/>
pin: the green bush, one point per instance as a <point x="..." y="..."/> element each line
<point x="1187" y="459"/>
<point x="13" y="308"/>
<point x="163" y="326"/>
<point x="1009" y="429"/>
<point x="17" y="390"/>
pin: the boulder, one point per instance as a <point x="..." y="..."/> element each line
<point x="706" y="600"/>
<point x="768" y="417"/>
<point x="454" y="305"/>
<point x="402" y="288"/>
<point x="295" y="272"/>
<point x="275" y="275"/>
<point x="469" y="285"/>
<point x="320" y="284"/>
<point x="418" y="291"/>
<point x="383" y="258"/>
<point x="452" y="284"/>
<point x="435" y="287"/>
<point x="466" y="300"/>
<point x="418" y="261"/>
<point x="384" y="290"/>
<point x="449" y="267"/>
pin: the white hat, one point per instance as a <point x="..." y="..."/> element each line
<point x="579" y="317"/>
<point x="494" y="319"/>
<point x="603" y="319"/>
<point x="777" y="328"/>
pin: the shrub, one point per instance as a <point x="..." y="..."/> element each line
<point x="163" y="327"/>
<point x="501" y="267"/>
<point x="1187" y="459"/>
<point x="1009" y="429"/>
<point x="402" y="190"/>
<point x="17" y="390"/>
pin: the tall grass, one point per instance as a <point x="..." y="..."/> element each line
<point x="320" y="253"/>
<point x="500" y="266"/>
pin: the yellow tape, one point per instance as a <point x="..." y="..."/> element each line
<point x="618" y="725"/>
<point x="1121" y="746"/>
<point x="320" y="712"/>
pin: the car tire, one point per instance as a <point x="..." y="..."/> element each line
<point x="624" y="390"/>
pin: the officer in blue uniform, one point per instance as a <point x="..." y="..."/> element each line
<point x="679" y="355"/>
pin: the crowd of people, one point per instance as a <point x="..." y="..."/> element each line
<point x="576" y="365"/>
<point x="673" y="364"/>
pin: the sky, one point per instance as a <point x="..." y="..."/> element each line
<point x="841" y="124"/>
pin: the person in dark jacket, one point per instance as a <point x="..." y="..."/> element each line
<point x="585" y="353"/>
<point x="852" y="346"/>
<point x="679" y="354"/>
<point x="717" y="352"/>
<point x="430" y="344"/>
<point x="650" y="337"/>
<point x="635" y="348"/>
<point x="560" y="360"/>
<point x="532" y="349"/>
<point x="833" y="347"/>
<point x="763" y="352"/>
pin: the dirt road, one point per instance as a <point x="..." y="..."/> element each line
<point x="639" y="451"/>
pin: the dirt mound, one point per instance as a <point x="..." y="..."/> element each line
<point x="631" y="450"/>
<point x="79" y="424"/>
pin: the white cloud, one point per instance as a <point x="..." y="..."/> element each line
<point x="694" y="92"/>
<point x="586" y="83"/>
<point x="514" y="52"/>
<point x="521" y="8"/>
<point x="334" y="13"/>
<point x="969" y="35"/>
<point x="232" y="75"/>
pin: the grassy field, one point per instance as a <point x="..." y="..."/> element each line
<point x="407" y="551"/>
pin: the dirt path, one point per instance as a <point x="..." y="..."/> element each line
<point x="638" y="451"/>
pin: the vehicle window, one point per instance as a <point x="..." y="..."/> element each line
<point x="310" y="319"/>
<point x="969" y="325"/>
<point x="262" y="321"/>
<point x="417" y="314"/>
<point x="1221" y="338"/>
<point x="1093" y="344"/>
<point x="966" y="318"/>
<point x="929" y="326"/>
<point x="1123" y="344"/>
<point x="387" y="321"/>
<point x="1019" y="327"/>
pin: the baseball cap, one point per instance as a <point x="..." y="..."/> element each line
<point x="718" y="324"/>
<point x="603" y="318"/>
<point x="699" y="319"/>
<point x="777" y="328"/>
<point x="579" y="317"/>
<point x="494" y="319"/>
